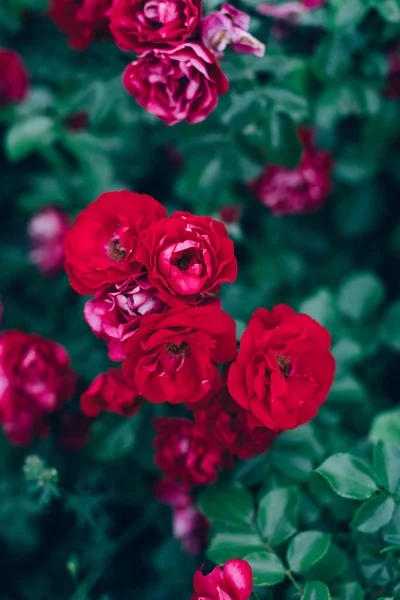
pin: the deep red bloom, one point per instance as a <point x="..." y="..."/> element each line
<point x="108" y="391"/>
<point x="47" y="230"/>
<point x="141" y="25"/>
<point x="35" y="379"/>
<point x="173" y="356"/>
<point x="101" y="247"/>
<point x="115" y="312"/>
<point x="233" y="581"/>
<point x="284" y="370"/>
<point x="177" y="84"/>
<point x="234" y="428"/>
<point x="184" y="454"/>
<point x="14" y="82"/>
<point x="300" y="190"/>
<point x="77" y="121"/>
<point x="82" y="21"/>
<point x="188" y="257"/>
<point x="73" y="431"/>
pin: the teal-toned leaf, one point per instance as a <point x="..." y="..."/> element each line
<point x="348" y="13"/>
<point x="228" y="540"/>
<point x="267" y="568"/>
<point x="315" y="590"/>
<point x="321" y="307"/>
<point x="386" y="427"/>
<point x="361" y="295"/>
<point x="306" y="549"/>
<point x="374" y="514"/>
<point x="25" y="137"/>
<point x="388" y="9"/>
<point x="228" y="502"/>
<point x="387" y="465"/>
<point x="390" y="327"/>
<point x="348" y="476"/>
<point x="351" y="591"/>
<point x="277" y="514"/>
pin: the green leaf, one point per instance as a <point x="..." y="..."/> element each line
<point x="267" y="568"/>
<point x="306" y="549"/>
<point x="27" y="136"/>
<point x="280" y="141"/>
<point x="229" y="540"/>
<point x="351" y="591"/>
<point x="386" y="427"/>
<point x="388" y="9"/>
<point x="348" y="476"/>
<point x="321" y="307"/>
<point x="286" y="101"/>
<point x="315" y="590"/>
<point x="228" y="502"/>
<point x="361" y="295"/>
<point x="348" y="13"/>
<point x="242" y="109"/>
<point x="390" y="327"/>
<point x="387" y="465"/>
<point x="374" y="514"/>
<point x="277" y="514"/>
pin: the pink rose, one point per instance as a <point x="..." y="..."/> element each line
<point x="141" y="25"/>
<point x="114" y="313"/>
<point x="47" y="230"/>
<point x="233" y="581"/>
<point x="290" y="11"/>
<point x="177" y="84"/>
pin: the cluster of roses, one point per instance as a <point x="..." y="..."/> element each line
<point x="176" y="76"/>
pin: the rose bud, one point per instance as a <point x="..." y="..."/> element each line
<point x="173" y="356"/>
<point x="141" y="25"/>
<point x="229" y="27"/>
<point x="47" y="230"/>
<point x="109" y="392"/>
<point x="77" y="121"/>
<point x="172" y="493"/>
<point x="73" y="431"/>
<point x="184" y="454"/>
<point x="14" y="82"/>
<point x="114" y="313"/>
<point x="82" y="21"/>
<point x="300" y="190"/>
<point x="177" y="84"/>
<point x="100" y="249"/>
<point x="233" y="581"/>
<point x="188" y="257"/>
<point x="191" y="528"/>
<point x="284" y="369"/>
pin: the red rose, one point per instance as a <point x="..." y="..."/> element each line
<point x="173" y="356"/>
<point x="114" y="313"/>
<point x="300" y="190"/>
<point x="35" y="379"/>
<point x="233" y="581"/>
<point x="141" y="25"/>
<point x="177" y="84"/>
<point x="183" y="454"/>
<point x="108" y="391"/>
<point x="25" y="427"/>
<point x="82" y="21"/>
<point x="14" y="82"/>
<point x="47" y="230"/>
<point x="284" y="369"/>
<point x="234" y="428"/>
<point x="188" y="257"/>
<point x="101" y="247"/>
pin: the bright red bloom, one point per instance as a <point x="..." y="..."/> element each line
<point x="233" y="581"/>
<point x="234" y="428"/>
<point x="115" y="312"/>
<point x="300" y="190"/>
<point x="284" y="370"/>
<point x="173" y="357"/>
<point x="177" y="84"/>
<point x="47" y="230"/>
<point x="36" y="379"/>
<point x="14" y="82"/>
<point x="101" y="247"/>
<point x="188" y="257"/>
<point x="82" y="21"/>
<point x="184" y="454"/>
<point x="108" y="391"/>
<point x="141" y="25"/>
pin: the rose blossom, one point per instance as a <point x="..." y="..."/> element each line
<point x="114" y="313"/>
<point x="173" y="357"/>
<point x="233" y="581"/>
<point x="284" y="369"/>
<point x="14" y="82"/>
<point x="235" y="429"/>
<point x="188" y="257"/>
<point x="177" y="84"/>
<point x="82" y="21"/>
<point x="393" y="84"/>
<point x="109" y="391"/>
<point x="141" y="25"/>
<point x="47" y="230"/>
<point x="299" y="190"/>
<point x="183" y="454"/>
<point x="25" y="427"/>
<point x="229" y="26"/>
<point x="100" y="249"/>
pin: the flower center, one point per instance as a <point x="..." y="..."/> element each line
<point x="187" y="260"/>
<point x="161" y="11"/>
<point x="115" y="250"/>
<point x="284" y="364"/>
<point x="175" y="350"/>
